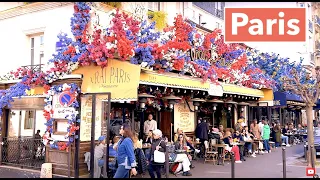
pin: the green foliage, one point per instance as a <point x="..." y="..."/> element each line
<point x="159" y="17"/>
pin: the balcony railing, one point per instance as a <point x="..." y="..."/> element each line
<point x="310" y="26"/>
<point x="317" y="20"/>
<point x="317" y="45"/>
<point x="29" y="69"/>
<point x="219" y="13"/>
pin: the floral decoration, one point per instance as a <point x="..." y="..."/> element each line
<point x="72" y="118"/>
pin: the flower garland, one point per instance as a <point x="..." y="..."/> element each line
<point x="73" y="90"/>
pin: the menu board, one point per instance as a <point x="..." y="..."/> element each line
<point x="86" y="117"/>
<point x="183" y="117"/>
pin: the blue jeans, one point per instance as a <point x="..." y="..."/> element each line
<point x="122" y="172"/>
<point x="266" y="144"/>
<point x="285" y="138"/>
<point x="248" y="146"/>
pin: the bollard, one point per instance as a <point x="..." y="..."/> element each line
<point x="284" y="162"/>
<point x="167" y="162"/>
<point x="312" y="156"/>
<point x="305" y="151"/>
<point x="232" y="166"/>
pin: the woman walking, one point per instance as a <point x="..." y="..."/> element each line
<point x="157" y="144"/>
<point x="126" y="158"/>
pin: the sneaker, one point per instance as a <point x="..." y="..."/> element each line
<point x="283" y="144"/>
<point x="288" y="145"/>
<point x="250" y="151"/>
<point x="253" y="155"/>
<point x="269" y="151"/>
<point x="238" y="162"/>
<point x="266" y="152"/>
<point x="256" y="152"/>
<point x="261" y="152"/>
<point x="197" y="151"/>
<point x="186" y="173"/>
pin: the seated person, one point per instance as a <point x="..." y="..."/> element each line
<point x="180" y="131"/>
<point x="231" y="147"/>
<point x="221" y="130"/>
<point x="148" y="139"/>
<point x="183" y="158"/>
<point x="215" y="134"/>
<point x="247" y="138"/>
<point x="237" y="137"/>
<point x="284" y="137"/>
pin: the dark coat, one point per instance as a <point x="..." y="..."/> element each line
<point x="202" y="131"/>
<point x="277" y="132"/>
<point x="141" y="160"/>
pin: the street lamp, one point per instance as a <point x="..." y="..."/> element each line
<point x="143" y="99"/>
<point x="214" y="101"/>
<point x="230" y="102"/>
<point x="196" y="103"/>
<point x="171" y="100"/>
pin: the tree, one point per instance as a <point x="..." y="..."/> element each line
<point x="308" y="87"/>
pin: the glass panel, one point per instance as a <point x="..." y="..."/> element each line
<point x="40" y="120"/>
<point x="86" y="114"/>
<point x="27" y="121"/>
<point x="13" y="126"/>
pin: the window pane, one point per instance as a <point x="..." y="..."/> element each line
<point x="41" y="40"/>
<point x="29" y="119"/>
<point x="13" y="127"/>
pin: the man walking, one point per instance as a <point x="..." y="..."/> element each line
<point x="266" y="137"/>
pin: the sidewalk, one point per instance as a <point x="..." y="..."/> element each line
<point x="263" y="166"/>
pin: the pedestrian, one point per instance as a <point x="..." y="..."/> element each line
<point x="98" y="156"/>
<point x="202" y="131"/>
<point x="266" y="137"/>
<point x="277" y="131"/>
<point x="126" y="158"/>
<point x="157" y="144"/>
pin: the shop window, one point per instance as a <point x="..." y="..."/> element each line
<point x="29" y="120"/>
<point x="60" y="126"/>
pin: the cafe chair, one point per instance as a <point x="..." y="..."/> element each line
<point x="210" y="155"/>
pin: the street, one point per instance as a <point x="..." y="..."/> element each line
<point x="263" y="166"/>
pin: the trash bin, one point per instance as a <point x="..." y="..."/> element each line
<point x="46" y="170"/>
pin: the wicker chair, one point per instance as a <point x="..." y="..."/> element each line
<point x="210" y="155"/>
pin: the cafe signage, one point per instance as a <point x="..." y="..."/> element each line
<point x="183" y="117"/>
<point x="209" y="56"/>
<point x="120" y="78"/>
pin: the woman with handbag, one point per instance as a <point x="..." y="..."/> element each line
<point x="126" y="158"/>
<point x="183" y="158"/>
<point x="157" y="156"/>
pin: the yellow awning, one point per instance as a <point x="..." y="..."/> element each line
<point x="172" y="80"/>
<point x="35" y="91"/>
<point x="267" y="95"/>
<point x="239" y="90"/>
<point x="120" y="78"/>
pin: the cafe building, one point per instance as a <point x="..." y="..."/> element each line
<point x="92" y="101"/>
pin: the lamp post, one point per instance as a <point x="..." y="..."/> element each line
<point x="142" y="100"/>
<point x="214" y="101"/>
<point x="172" y="100"/>
<point x="243" y="105"/>
<point x="196" y="103"/>
<point x="230" y="103"/>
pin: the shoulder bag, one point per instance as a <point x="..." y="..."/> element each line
<point x="159" y="157"/>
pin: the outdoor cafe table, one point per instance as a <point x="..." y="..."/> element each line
<point x="221" y="153"/>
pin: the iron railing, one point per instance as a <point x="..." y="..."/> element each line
<point x="23" y="152"/>
<point x="30" y="68"/>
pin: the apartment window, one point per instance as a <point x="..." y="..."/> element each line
<point x="193" y="14"/>
<point x="29" y="120"/>
<point x="36" y="49"/>
<point x="154" y="6"/>
<point x="218" y="10"/>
